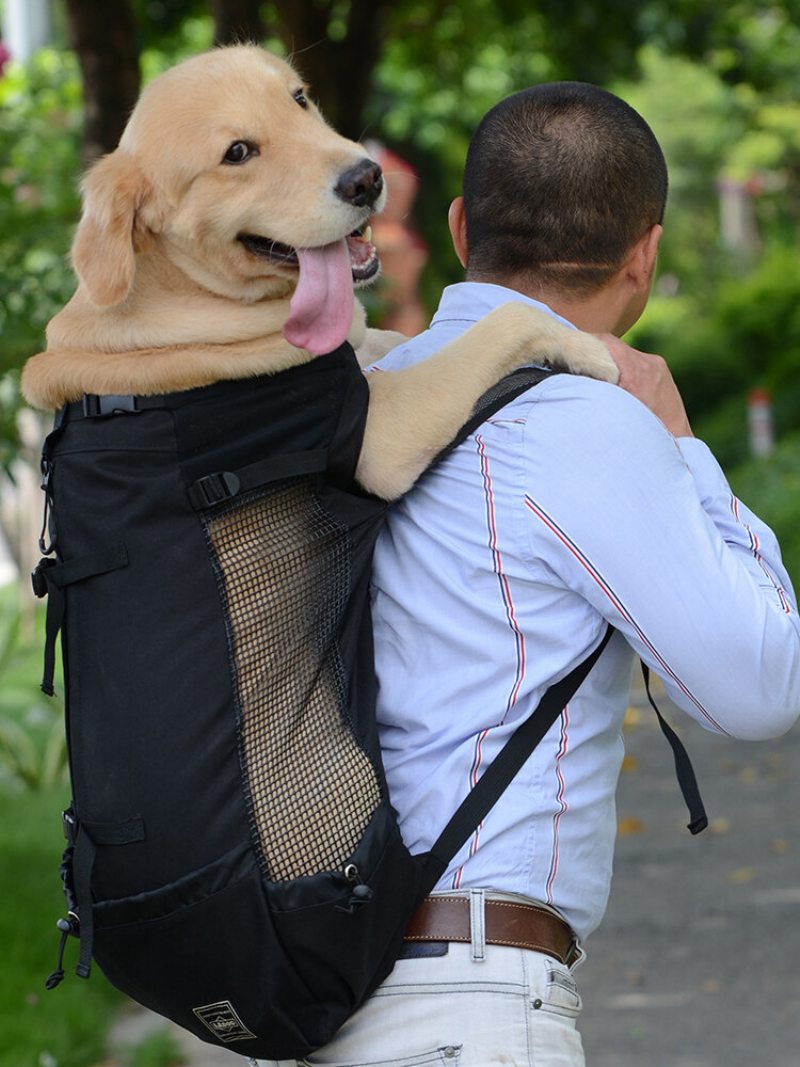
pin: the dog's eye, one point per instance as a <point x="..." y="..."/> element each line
<point x="301" y="98"/>
<point x="239" y="152"/>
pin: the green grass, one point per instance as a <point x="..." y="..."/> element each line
<point x="32" y="750"/>
<point x="771" y="488"/>
<point x="67" y="1026"/>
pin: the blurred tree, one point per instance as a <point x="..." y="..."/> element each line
<point x="336" y="47"/>
<point x="104" y="38"/>
<point x="237" y="20"/>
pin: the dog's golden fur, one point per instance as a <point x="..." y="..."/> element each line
<point x="171" y="298"/>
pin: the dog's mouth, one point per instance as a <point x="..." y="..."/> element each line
<point x="364" y="261"/>
<point x="321" y="309"/>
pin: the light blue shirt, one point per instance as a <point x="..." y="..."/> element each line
<point x="497" y="573"/>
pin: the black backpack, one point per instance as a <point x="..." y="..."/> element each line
<point x="233" y="859"/>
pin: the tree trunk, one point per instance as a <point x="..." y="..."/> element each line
<point x="104" y="37"/>
<point x="237" y="21"/>
<point x="339" y="71"/>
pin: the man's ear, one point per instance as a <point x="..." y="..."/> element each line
<point x="642" y="261"/>
<point x="457" y="221"/>
<point x="103" y="252"/>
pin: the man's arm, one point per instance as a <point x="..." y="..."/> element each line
<point x="646" y="530"/>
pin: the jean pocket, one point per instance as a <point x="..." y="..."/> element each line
<point x="446" y="1056"/>
<point x="561" y="996"/>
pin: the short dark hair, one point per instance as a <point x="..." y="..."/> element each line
<point x="560" y="182"/>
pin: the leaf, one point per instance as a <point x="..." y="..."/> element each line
<point x="742" y="875"/>
<point x="630" y="825"/>
<point x="720" y="826"/>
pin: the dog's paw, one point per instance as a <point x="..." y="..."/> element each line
<point x="531" y="335"/>
<point x="582" y="353"/>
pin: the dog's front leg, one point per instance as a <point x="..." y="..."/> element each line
<point x="376" y="344"/>
<point x="414" y="413"/>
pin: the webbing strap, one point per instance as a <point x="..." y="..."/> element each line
<point x="496" y="397"/>
<point x="82" y="865"/>
<point x="124" y="832"/>
<point x="687" y="780"/>
<point x="504" y="767"/>
<point x="219" y="486"/>
<point x="51" y="578"/>
<point x="345" y="446"/>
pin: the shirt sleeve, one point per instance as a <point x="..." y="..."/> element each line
<point x="646" y="529"/>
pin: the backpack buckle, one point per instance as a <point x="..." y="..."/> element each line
<point x="39" y="577"/>
<point x="95" y="406"/>
<point x="213" y="489"/>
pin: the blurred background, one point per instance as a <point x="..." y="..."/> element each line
<point x="719" y="84"/>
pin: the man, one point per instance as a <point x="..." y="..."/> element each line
<point x="577" y="505"/>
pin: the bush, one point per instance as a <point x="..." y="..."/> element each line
<point x="748" y="336"/>
<point x="66" y="1027"/>
<point x="40" y="117"/>
<point x="771" y="488"/>
<point x="32" y="743"/>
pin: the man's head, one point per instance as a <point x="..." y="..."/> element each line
<point x="561" y="182"/>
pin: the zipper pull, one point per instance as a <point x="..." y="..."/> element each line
<point x="360" y="893"/>
<point x="67" y="927"/>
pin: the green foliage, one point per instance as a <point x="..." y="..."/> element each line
<point x="720" y="349"/>
<point x="162" y="23"/>
<point x="66" y="1027"/>
<point x="32" y="743"/>
<point x="39" y="146"/>
<point x="771" y="488"/>
<point x="696" y="117"/>
<point x="160" y="1049"/>
<point x="435" y="80"/>
<point x="187" y="38"/>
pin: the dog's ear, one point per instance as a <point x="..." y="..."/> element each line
<point x="103" y="252"/>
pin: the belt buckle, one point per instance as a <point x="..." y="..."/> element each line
<point x="573" y="952"/>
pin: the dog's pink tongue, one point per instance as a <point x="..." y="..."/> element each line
<point x="321" y="310"/>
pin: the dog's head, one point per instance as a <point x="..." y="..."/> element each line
<point x="229" y="170"/>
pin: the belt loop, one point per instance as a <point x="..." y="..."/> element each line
<point x="477" y="924"/>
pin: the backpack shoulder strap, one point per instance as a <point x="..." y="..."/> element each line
<point x="496" y="397"/>
<point x="503" y="768"/>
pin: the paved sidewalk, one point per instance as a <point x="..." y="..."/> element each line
<point x="696" y="962"/>
<point x="135" y="1024"/>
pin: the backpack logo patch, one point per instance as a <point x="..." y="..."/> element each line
<point x="223" y="1022"/>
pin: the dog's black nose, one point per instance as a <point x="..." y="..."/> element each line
<point x="361" y="185"/>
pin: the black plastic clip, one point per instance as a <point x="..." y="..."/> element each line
<point x="47" y="547"/>
<point x="39" y="578"/>
<point x="96" y="406"/>
<point x="213" y="489"/>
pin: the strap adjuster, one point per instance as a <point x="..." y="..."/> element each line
<point x="39" y="577"/>
<point x="95" y="406"/>
<point x="213" y="489"/>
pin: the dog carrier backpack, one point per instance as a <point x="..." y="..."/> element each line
<point x="233" y="860"/>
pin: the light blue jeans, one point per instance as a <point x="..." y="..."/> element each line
<point x="513" y="1007"/>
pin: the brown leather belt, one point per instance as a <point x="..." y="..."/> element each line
<point x="506" y="922"/>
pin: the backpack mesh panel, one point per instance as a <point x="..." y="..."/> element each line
<point x="283" y="566"/>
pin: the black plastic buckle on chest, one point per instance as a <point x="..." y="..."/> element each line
<point x="96" y="406"/>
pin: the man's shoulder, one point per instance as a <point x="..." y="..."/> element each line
<point x="566" y="412"/>
<point x="594" y="398"/>
<point x="410" y="351"/>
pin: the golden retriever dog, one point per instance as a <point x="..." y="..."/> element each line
<point x="222" y="240"/>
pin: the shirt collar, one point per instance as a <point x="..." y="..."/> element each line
<point x="470" y="301"/>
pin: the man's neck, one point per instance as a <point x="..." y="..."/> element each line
<point x="604" y="311"/>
